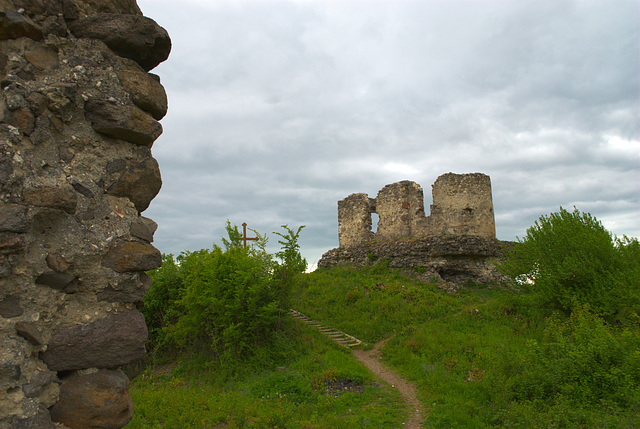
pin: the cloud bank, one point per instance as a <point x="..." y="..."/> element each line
<point x="277" y="110"/>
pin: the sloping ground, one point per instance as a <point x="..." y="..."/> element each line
<point x="371" y="359"/>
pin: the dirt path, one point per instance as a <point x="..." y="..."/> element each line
<point x="371" y="359"/>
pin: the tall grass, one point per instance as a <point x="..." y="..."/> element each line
<point x="485" y="357"/>
<point x="481" y="358"/>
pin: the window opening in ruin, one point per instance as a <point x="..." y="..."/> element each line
<point x="374" y="222"/>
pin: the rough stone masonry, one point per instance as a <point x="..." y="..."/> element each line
<point x="79" y="113"/>
<point x="455" y="243"/>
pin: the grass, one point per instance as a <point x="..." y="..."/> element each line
<point x="303" y="389"/>
<point x="478" y="358"/>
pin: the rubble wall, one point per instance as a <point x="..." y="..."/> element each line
<point x="79" y="113"/>
<point x="462" y="205"/>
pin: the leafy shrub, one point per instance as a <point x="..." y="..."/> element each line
<point x="571" y="258"/>
<point x="226" y="302"/>
<point x="162" y="302"/>
<point x="580" y="361"/>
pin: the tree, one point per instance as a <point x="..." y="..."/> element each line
<point x="571" y="259"/>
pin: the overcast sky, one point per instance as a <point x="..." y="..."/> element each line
<point x="277" y="110"/>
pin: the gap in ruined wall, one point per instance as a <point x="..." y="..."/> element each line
<point x="374" y="222"/>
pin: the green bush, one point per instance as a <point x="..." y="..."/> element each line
<point x="162" y="302"/>
<point x="225" y="302"/>
<point x="580" y="362"/>
<point x="229" y="303"/>
<point x="571" y="258"/>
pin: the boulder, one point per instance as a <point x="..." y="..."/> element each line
<point x="98" y="400"/>
<point x="123" y="122"/>
<point x="14" y="25"/>
<point x="13" y="218"/>
<point x="61" y="197"/>
<point x="132" y="256"/>
<point x="143" y="228"/>
<point x="110" y="342"/>
<point x="145" y="91"/>
<point x="140" y="183"/>
<point x="131" y="36"/>
<point x="10" y="306"/>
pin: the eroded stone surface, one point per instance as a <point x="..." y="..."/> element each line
<point x="98" y="400"/>
<point x="128" y="256"/>
<point x="78" y="117"/>
<point x="140" y="182"/>
<point x="135" y="37"/>
<point x="453" y="259"/>
<point x="106" y="343"/>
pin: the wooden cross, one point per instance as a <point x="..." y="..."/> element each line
<point x="244" y="235"/>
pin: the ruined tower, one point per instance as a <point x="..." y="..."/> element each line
<point x="462" y="205"/>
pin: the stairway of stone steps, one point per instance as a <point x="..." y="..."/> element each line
<point x="338" y="337"/>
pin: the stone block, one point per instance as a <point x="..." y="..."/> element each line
<point x="135" y="37"/>
<point x="14" y="25"/>
<point x="57" y="263"/>
<point x="11" y="243"/>
<point x="10" y="306"/>
<point x="60" y="281"/>
<point x="30" y="331"/>
<point x="109" y="342"/>
<point x="146" y="92"/>
<point x="40" y="420"/>
<point x="42" y="57"/>
<point x="132" y="256"/>
<point x="12" y="356"/>
<point x="98" y="400"/>
<point x="13" y="218"/>
<point x="38" y="382"/>
<point x="61" y="197"/>
<point x="123" y="122"/>
<point x="143" y="228"/>
<point x="131" y="290"/>
<point x="140" y="183"/>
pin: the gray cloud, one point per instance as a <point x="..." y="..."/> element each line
<point x="280" y="109"/>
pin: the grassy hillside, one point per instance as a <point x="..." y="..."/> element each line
<point x="480" y="358"/>
<point x="560" y="350"/>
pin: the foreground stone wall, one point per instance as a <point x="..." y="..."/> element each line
<point x="462" y="205"/>
<point x="79" y="113"/>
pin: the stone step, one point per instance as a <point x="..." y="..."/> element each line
<point x="338" y="337"/>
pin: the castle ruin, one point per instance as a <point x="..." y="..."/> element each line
<point x="455" y="243"/>
<point x="462" y="205"/>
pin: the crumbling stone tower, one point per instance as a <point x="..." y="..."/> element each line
<point x="400" y="207"/>
<point x="462" y="205"/>
<point x="79" y="113"/>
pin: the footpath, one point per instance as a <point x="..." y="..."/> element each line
<point x="372" y="360"/>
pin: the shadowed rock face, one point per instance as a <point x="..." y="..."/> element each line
<point x="78" y="118"/>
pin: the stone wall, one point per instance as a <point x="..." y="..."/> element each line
<point x="447" y="259"/>
<point x="462" y="205"/>
<point x="456" y="243"/>
<point x="79" y="113"/>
